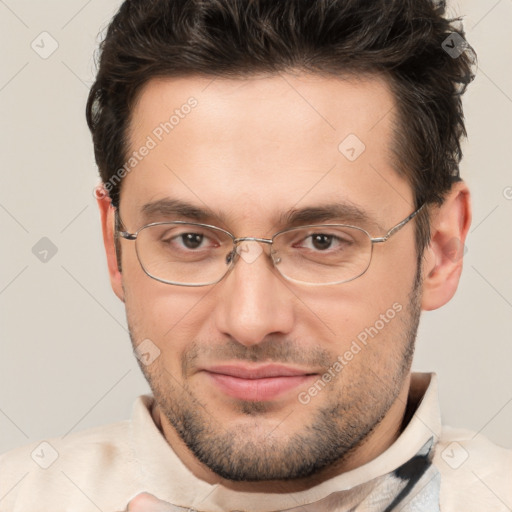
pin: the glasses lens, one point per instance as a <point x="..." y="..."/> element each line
<point x="181" y="253"/>
<point x="326" y="254"/>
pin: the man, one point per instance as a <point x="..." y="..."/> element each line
<point x="280" y="201"/>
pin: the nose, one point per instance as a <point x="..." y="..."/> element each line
<point x="253" y="301"/>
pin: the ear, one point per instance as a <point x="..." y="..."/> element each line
<point x="107" y="213"/>
<point x="442" y="262"/>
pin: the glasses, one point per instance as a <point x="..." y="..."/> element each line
<point x="193" y="254"/>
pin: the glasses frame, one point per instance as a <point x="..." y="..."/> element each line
<point x="237" y="240"/>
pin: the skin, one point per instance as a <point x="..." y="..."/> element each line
<point x="251" y="150"/>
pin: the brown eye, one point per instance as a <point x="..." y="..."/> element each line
<point x="321" y="241"/>
<point x="192" y="240"/>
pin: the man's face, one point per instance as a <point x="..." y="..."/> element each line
<point x="240" y="379"/>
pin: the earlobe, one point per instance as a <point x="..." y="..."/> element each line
<point x="107" y="213"/>
<point x="442" y="262"/>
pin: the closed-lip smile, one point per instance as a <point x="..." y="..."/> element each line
<point x="256" y="382"/>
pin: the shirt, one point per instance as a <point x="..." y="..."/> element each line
<point x="427" y="469"/>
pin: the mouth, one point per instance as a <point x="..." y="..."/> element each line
<point x="257" y="383"/>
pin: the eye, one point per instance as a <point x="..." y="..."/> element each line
<point x="192" y="240"/>
<point x="177" y="239"/>
<point x="323" y="242"/>
<point x="166" y="244"/>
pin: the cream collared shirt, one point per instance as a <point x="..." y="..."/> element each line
<point x="427" y="469"/>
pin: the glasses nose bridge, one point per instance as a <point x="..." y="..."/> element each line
<point x="239" y="240"/>
<point x="236" y="241"/>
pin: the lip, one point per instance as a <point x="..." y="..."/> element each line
<point x="257" y="383"/>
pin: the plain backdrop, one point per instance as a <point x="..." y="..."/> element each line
<point x="66" y="362"/>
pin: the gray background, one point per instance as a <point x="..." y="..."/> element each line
<point x="66" y="362"/>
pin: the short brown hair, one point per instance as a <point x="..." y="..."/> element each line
<point x="407" y="41"/>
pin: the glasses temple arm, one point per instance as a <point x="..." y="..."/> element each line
<point x="398" y="227"/>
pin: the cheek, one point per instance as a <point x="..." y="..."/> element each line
<point x="342" y="313"/>
<point x="165" y="314"/>
<point x="150" y="305"/>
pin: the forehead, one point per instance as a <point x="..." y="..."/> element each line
<point x="304" y="106"/>
<point x="262" y="143"/>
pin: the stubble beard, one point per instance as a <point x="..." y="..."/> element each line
<point x="249" y="453"/>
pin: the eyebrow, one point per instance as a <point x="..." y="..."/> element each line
<point x="340" y="212"/>
<point x="337" y="212"/>
<point x="176" y="208"/>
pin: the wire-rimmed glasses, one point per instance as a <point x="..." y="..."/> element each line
<point x="194" y="254"/>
